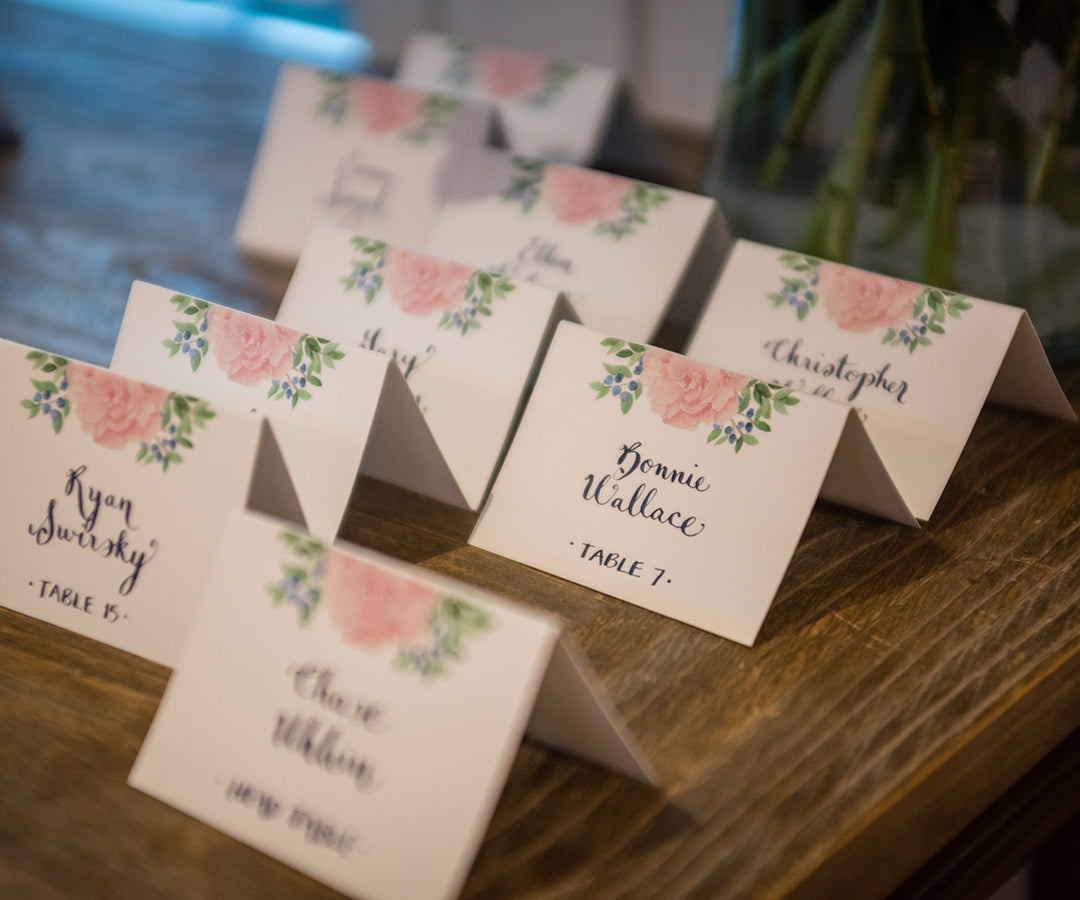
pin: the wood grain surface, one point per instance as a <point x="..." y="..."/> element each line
<point x="903" y="681"/>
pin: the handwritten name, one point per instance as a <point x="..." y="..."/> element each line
<point x="359" y="189"/>
<point x="318" y="745"/>
<point x="89" y="502"/>
<point x="631" y="461"/>
<point x="843" y="369"/>
<point x="546" y="254"/>
<point x="315" y="682"/>
<point x="407" y="362"/>
<point x="642" y="502"/>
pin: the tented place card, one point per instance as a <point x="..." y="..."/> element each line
<point x="674" y="485"/>
<point x="361" y="152"/>
<point x="115" y="495"/>
<point x="552" y="109"/>
<point x="364" y="737"/>
<point x="467" y="341"/>
<point x="336" y="410"/>
<point x="917" y="362"/>
<point x="624" y="250"/>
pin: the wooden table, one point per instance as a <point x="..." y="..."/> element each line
<point x="903" y="681"/>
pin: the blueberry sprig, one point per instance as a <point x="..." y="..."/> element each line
<point x="525" y="186"/>
<point x="332" y="104"/>
<point x="638" y="200"/>
<point x="557" y="76"/>
<point x="623" y="380"/>
<point x="435" y="111"/>
<point x="481" y="288"/>
<point x="310" y="355"/>
<point x="451" y="622"/>
<point x="458" y="71"/>
<point x="757" y="402"/>
<point x="180" y="415"/>
<point x="928" y="313"/>
<point x="301" y="578"/>
<point x="190" y="338"/>
<point x="367" y="273"/>
<point x="799" y="290"/>
<point x="48" y="399"/>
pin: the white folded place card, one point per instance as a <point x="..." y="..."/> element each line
<point x="358" y="151"/>
<point x="115" y="495"/>
<point x="467" y="341"/>
<point x="674" y="485"/>
<point x="364" y="737"/>
<point x="553" y="109"/>
<point x="916" y="361"/>
<point x="337" y="411"/>
<point x="623" y="250"/>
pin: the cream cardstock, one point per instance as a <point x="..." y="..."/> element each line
<point x="360" y="151"/>
<point x="918" y="363"/>
<point x="623" y="250"/>
<point x="467" y="341"/>
<point x="336" y="410"/>
<point x="115" y="496"/>
<point x="356" y="717"/>
<point x="674" y="485"/>
<point x="552" y="109"/>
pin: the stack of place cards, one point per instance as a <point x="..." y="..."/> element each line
<point x="547" y="108"/>
<point x="336" y="410"/>
<point x="115" y="496"/>
<point x="361" y="152"/>
<point x="685" y="487"/>
<point x="467" y="341"/>
<point x="365" y="735"/>
<point x="917" y="362"/>
<point x="627" y="252"/>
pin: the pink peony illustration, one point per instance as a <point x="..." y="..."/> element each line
<point x="112" y="409"/>
<point x="371" y="606"/>
<point x="422" y="284"/>
<point x="249" y="349"/>
<point x="860" y="301"/>
<point x="578" y="195"/>
<point x="509" y="73"/>
<point x="382" y="106"/>
<point x="687" y="394"/>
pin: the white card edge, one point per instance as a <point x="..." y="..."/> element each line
<point x="1025" y="380"/>
<point x="573" y="715"/>
<point x="401" y="449"/>
<point x="858" y="478"/>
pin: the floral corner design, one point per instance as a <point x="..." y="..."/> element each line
<point x="116" y="411"/>
<point x="373" y="608"/>
<point x="615" y="206"/>
<point x="251" y="350"/>
<point x="423" y="285"/>
<point x="507" y="74"/>
<point x="688" y="394"/>
<point x="863" y="302"/>
<point x="385" y="107"/>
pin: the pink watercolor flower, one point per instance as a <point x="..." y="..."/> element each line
<point x="370" y="605"/>
<point x="861" y="301"/>
<point x="422" y="284"/>
<point x="509" y="73"/>
<point x="685" y="393"/>
<point x="249" y="349"/>
<point x="382" y="106"/>
<point x="112" y="409"/>
<point x="579" y="195"/>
